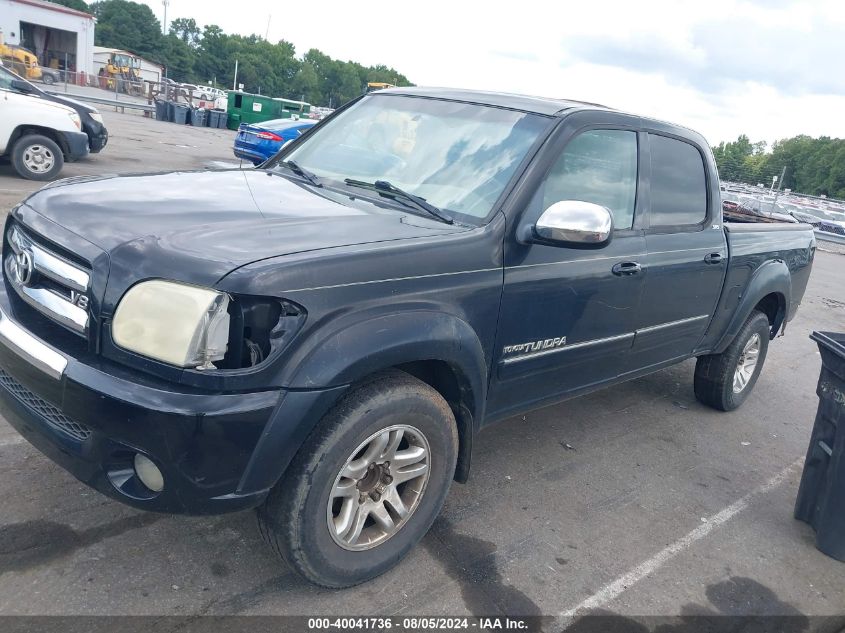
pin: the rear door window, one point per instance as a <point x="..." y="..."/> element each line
<point x="678" y="183"/>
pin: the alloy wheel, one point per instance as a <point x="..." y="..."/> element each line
<point x="379" y="487"/>
<point x="747" y="363"/>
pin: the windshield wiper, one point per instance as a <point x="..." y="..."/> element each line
<point x="302" y="173"/>
<point x="384" y="187"/>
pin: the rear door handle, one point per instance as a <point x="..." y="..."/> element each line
<point x="713" y="258"/>
<point x="626" y="268"/>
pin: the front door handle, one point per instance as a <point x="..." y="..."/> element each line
<point x="626" y="268"/>
<point x="713" y="258"/>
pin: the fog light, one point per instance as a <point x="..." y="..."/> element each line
<point x="148" y="473"/>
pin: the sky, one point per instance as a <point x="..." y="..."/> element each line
<point x="770" y="69"/>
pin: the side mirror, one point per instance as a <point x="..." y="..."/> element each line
<point x="21" y="86"/>
<point x="575" y="223"/>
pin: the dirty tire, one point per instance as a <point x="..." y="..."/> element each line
<point x="24" y="165"/>
<point x="293" y="519"/>
<point x="714" y="374"/>
<point x="48" y="79"/>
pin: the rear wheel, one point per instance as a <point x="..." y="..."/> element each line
<point x="367" y="485"/>
<point x="723" y="381"/>
<point x="37" y="157"/>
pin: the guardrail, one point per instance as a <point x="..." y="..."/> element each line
<point x="109" y="102"/>
<point x="829" y="237"/>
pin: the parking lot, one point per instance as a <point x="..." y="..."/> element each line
<point x="136" y="144"/>
<point x="635" y="500"/>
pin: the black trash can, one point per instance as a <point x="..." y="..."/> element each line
<point x="216" y="118"/>
<point x="180" y="113"/>
<point x="161" y="110"/>
<point x="199" y="117"/>
<point x="821" y="497"/>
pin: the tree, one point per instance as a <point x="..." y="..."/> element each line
<point x="179" y="58"/>
<point x="129" y="26"/>
<point x="186" y="29"/>
<point x="811" y="165"/>
<point x="79" y="5"/>
<point x="200" y="55"/>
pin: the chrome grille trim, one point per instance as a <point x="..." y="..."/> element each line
<point x="31" y="349"/>
<point x="49" y="264"/>
<point x="50" y="414"/>
<point x="50" y="301"/>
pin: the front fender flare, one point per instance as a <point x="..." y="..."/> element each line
<point x="344" y="357"/>
<point x="368" y="346"/>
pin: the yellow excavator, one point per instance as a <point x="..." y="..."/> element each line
<point x="20" y="60"/>
<point x="124" y="71"/>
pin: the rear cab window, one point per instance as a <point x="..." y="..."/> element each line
<point x="678" y="183"/>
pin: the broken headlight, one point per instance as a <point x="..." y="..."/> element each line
<point x="176" y="323"/>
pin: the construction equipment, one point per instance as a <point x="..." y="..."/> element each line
<point x="378" y="85"/>
<point x="123" y="72"/>
<point x="19" y="59"/>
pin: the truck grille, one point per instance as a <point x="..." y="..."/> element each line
<point x="50" y="414"/>
<point x="48" y="282"/>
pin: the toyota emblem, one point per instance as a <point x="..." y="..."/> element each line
<point x="23" y="268"/>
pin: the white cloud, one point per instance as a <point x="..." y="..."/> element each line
<point x="768" y="68"/>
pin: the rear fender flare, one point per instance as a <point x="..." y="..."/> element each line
<point x="770" y="278"/>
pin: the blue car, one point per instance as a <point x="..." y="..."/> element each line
<point x="260" y="141"/>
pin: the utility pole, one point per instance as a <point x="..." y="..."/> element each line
<point x="235" y="82"/>
<point x="782" y="174"/>
<point x="164" y="24"/>
<point x="267" y="32"/>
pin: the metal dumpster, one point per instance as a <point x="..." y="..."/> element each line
<point x="821" y="497"/>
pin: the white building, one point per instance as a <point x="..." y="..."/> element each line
<point x="149" y="71"/>
<point x="58" y="35"/>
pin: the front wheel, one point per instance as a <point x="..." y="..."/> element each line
<point x="367" y="485"/>
<point x="37" y="157"/>
<point x="723" y="381"/>
<point x="48" y="79"/>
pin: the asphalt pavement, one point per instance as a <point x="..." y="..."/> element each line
<point x="635" y="500"/>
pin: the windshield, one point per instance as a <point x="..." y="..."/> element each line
<point x="457" y="156"/>
<point x="7" y="77"/>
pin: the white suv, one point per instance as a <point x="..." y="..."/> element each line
<point x="37" y="135"/>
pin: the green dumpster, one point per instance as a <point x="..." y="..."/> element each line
<point x="254" y="108"/>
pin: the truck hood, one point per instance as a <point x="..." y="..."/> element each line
<point x="199" y="226"/>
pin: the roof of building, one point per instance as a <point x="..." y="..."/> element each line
<point x="52" y="6"/>
<point x="539" y="105"/>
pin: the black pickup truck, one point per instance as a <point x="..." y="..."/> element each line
<point x="323" y="336"/>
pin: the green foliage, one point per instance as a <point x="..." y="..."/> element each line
<point x="202" y="55"/>
<point x="813" y="165"/>
<point x="79" y="5"/>
<point x="130" y="26"/>
<point x="186" y="29"/>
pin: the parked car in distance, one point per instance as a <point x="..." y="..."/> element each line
<point x="742" y="208"/>
<point x="50" y="76"/>
<point x="323" y="337"/>
<point x="37" y="134"/>
<point x="257" y="142"/>
<point x="92" y="120"/>
<point x="211" y="94"/>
